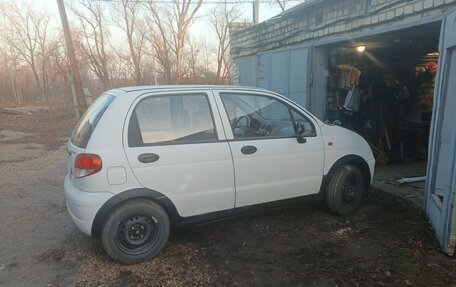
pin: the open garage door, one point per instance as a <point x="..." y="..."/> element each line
<point x="441" y="172"/>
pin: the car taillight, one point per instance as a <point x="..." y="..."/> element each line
<point x="86" y="164"/>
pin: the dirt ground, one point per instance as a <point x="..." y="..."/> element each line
<point x="387" y="243"/>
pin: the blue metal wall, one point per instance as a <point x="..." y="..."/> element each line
<point x="285" y="72"/>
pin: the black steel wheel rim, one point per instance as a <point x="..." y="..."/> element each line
<point x="350" y="190"/>
<point x="137" y="234"/>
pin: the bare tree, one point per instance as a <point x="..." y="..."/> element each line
<point x="160" y="38"/>
<point x="221" y="17"/>
<point x="194" y="60"/>
<point x="184" y="15"/>
<point x="135" y="29"/>
<point x="282" y="4"/>
<point x="172" y="26"/>
<point x="28" y="34"/>
<point x="209" y="59"/>
<point x="10" y="69"/>
<point x="59" y="74"/>
<point x="95" y="37"/>
<point x="47" y="44"/>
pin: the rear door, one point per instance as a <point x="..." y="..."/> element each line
<point x="269" y="162"/>
<point x="175" y="145"/>
<point x="441" y="173"/>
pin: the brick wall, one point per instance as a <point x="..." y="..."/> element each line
<point x="317" y="19"/>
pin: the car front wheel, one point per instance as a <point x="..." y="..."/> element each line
<point x="135" y="231"/>
<point x="345" y="190"/>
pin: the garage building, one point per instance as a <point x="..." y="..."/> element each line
<point x="384" y="68"/>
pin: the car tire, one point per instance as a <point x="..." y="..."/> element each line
<point x="345" y="190"/>
<point x="135" y="231"/>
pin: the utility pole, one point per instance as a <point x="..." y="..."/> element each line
<point x="256" y="11"/>
<point x="79" y="101"/>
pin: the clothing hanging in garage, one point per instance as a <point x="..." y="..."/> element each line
<point x="348" y="76"/>
<point x="353" y="99"/>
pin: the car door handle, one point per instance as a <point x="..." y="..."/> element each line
<point x="148" y="157"/>
<point x="248" y="149"/>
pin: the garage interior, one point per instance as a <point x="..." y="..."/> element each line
<point x="382" y="87"/>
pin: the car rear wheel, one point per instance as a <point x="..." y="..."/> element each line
<point x="135" y="231"/>
<point x="345" y="190"/>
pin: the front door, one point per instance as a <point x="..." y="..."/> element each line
<point x="269" y="163"/>
<point x="175" y="145"/>
<point x="441" y="172"/>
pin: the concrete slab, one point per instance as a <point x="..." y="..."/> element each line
<point x="386" y="179"/>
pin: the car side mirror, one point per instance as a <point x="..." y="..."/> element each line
<point x="300" y="133"/>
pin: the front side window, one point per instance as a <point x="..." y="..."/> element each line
<point x="305" y="123"/>
<point x="173" y="119"/>
<point x="255" y="116"/>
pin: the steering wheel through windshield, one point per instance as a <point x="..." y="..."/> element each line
<point x="241" y="125"/>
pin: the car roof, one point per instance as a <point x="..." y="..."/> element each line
<point x="165" y="88"/>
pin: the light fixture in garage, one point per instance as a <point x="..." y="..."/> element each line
<point x="361" y="48"/>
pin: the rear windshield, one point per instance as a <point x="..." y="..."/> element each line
<point x="81" y="134"/>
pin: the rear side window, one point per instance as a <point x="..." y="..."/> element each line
<point x="89" y="120"/>
<point x="174" y="119"/>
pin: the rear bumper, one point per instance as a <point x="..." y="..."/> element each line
<point x="82" y="205"/>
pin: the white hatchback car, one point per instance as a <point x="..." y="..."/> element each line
<point x="144" y="159"/>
